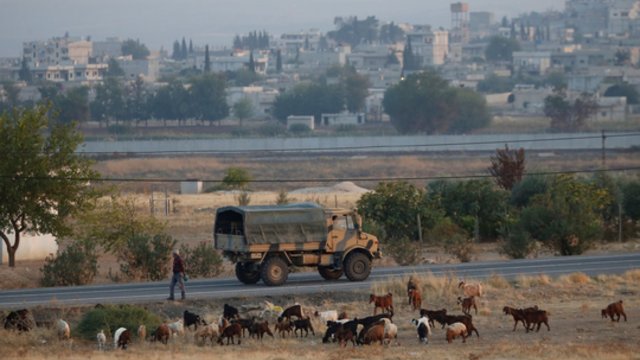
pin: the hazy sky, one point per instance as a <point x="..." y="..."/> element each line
<point x="159" y="22"/>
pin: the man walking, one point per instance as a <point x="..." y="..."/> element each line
<point x="178" y="274"/>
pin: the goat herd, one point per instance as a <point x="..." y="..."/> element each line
<point x="378" y="328"/>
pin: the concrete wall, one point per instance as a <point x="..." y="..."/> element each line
<point x="32" y="247"/>
<point x="541" y="142"/>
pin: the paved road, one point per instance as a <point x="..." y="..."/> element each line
<point x="303" y="283"/>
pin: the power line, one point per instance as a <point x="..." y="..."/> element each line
<point x="364" y="147"/>
<point x="322" y="180"/>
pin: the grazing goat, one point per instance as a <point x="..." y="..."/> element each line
<point x="329" y="315"/>
<point x="20" y="320"/>
<point x="64" y="331"/>
<point x="471" y="289"/>
<point x="206" y="331"/>
<point x="367" y="323"/>
<point x="229" y="312"/>
<point x="176" y="327"/>
<point x="467" y="304"/>
<point x="536" y="317"/>
<point x="222" y="323"/>
<point x="415" y="299"/>
<point x="455" y="330"/>
<point x="244" y="323"/>
<point x="412" y="284"/>
<point x="162" y="334"/>
<point x="437" y="315"/>
<point x="385" y="303"/>
<point x="614" y="309"/>
<point x="142" y="332"/>
<point x="343" y="334"/>
<point x="283" y="327"/>
<point x="373" y="334"/>
<point x="423" y="328"/>
<point x="333" y="326"/>
<point x="303" y="324"/>
<point x="518" y="314"/>
<point x="230" y="332"/>
<point x="467" y="320"/>
<point x="122" y="338"/>
<point x="102" y="340"/>
<point x="390" y="330"/>
<point x="295" y="310"/>
<point x="192" y="319"/>
<point x="259" y="329"/>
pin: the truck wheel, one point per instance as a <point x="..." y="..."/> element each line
<point x="357" y="266"/>
<point x="329" y="274"/>
<point x="274" y="271"/>
<point x="246" y="273"/>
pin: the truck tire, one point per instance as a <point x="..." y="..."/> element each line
<point x="328" y="273"/>
<point x="274" y="271"/>
<point x="246" y="274"/>
<point x="357" y="266"/>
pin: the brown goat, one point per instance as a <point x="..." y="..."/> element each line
<point x="467" y="304"/>
<point x="230" y="332"/>
<point x="295" y="310"/>
<point x="437" y="315"/>
<point x="536" y="317"/>
<point x="283" y="327"/>
<point x="259" y="329"/>
<point x="385" y="303"/>
<point x="344" y="334"/>
<point x="375" y="333"/>
<point x="412" y="284"/>
<point x="614" y="309"/>
<point x="162" y="334"/>
<point x="415" y="299"/>
<point x="208" y="331"/>
<point x="455" y="330"/>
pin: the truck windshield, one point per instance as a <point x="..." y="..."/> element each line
<point x="343" y="222"/>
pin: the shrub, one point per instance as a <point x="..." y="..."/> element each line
<point x="523" y="191"/>
<point x="459" y="246"/>
<point x="75" y="265"/>
<point x="146" y="257"/>
<point x="404" y="251"/>
<point x="282" y="198"/>
<point x="236" y="178"/>
<point x="202" y="260"/>
<point x="110" y="317"/>
<point x="272" y="130"/>
<point x="518" y="243"/>
<point x="299" y="129"/>
<point x="243" y="198"/>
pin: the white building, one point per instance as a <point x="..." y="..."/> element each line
<point x="429" y="46"/>
<point x="32" y="247"/>
<point x="108" y="48"/>
<point x="622" y="15"/>
<point x="532" y="62"/>
<point x="148" y="68"/>
<point x="343" y="118"/>
<point x="261" y="98"/>
<point x="85" y="73"/>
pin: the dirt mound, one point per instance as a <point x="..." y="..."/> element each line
<point x="343" y="187"/>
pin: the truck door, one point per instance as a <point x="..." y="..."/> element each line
<point x="340" y="230"/>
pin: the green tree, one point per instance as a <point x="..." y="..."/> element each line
<point x="500" y="49"/>
<point x="252" y="63"/>
<point x="73" y="106"/>
<point x="109" y="102"/>
<point x="566" y="115"/>
<point x="77" y="264"/>
<point x="207" y="60"/>
<point x="114" y="69"/>
<point x="43" y="181"/>
<point x="309" y="99"/>
<point x="207" y="97"/>
<point x="135" y="48"/>
<point x="236" y="178"/>
<point x="523" y="191"/>
<point x="496" y="84"/>
<point x="356" y="91"/>
<point x="25" y="73"/>
<point x="631" y="199"/>
<point x="507" y="167"/>
<point x="424" y="102"/>
<point x="183" y="49"/>
<point x="177" y="53"/>
<point x="624" y="89"/>
<point x="243" y="109"/>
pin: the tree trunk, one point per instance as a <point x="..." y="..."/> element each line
<point x="11" y="249"/>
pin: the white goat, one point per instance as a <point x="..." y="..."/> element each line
<point x="177" y="328"/>
<point x="102" y="339"/>
<point x="390" y="330"/>
<point x="116" y="336"/>
<point x="423" y="328"/>
<point x="456" y="329"/>
<point x="64" y="331"/>
<point x="329" y="315"/>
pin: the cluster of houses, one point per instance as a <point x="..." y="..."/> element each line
<point x="593" y="43"/>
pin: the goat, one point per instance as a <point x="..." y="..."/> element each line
<point x="333" y="326"/>
<point x="390" y="330"/>
<point x="437" y="315"/>
<point x="295" y="310"/>
<point x="415" y="299"/>
<point x="244" y="324"/>
<point x="328" y="315"/>
<point x="423" y="328"/>
<point x="367" y="323"/>
<point x="229" y="312"/>
<point x="63" y="329"/>
<point x="122" y="338"/>
<point x="385" y="303"/>
<point x="614" y="309"/>
<point x="283" y="327"/>
<point x="343" y="334"/>
<point x="471" y="289"/>
<point x="455" y="330"/>
<point x="20" y="320"/>
<point x="467" y="320"/>
<point x="518" y="314"/>
<point x="222" y="323"/>
<point x="536" y="317"/>
<point x="207" y="331"/>
<point x="176" y="327"/>
<point x="467" y="304"/>
<point x="412" y="284"/>
<point x="373" y="334"/>
<point x="259" y="329"/>
<point x="303" y="324"/>
<point x="162" y="334"/>
<point x="102" y="340"/>
<point x="142" y="332"/>
<point x="230" y="332"/>
<point x="192" y="319"/>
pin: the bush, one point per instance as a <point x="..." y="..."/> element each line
<point x="147" y="257"/>
<point x="236" y="178"/>
<point x="243" y="198"/>
<point x="272" y="130"/>
<point x="282" y="198"/>
<point x="299" y="129"/>
<point x="110" y="317"/>
<point x="523" y="191"/>
<point x="404" y="251"/>
<point x="75" y="265"/>
<point x="518" y="243"/>
<point x="202" y="260"/>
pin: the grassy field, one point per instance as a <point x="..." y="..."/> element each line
<point x="574" y="302"/>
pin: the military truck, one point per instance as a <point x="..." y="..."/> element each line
<point x="264" y="241"/>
